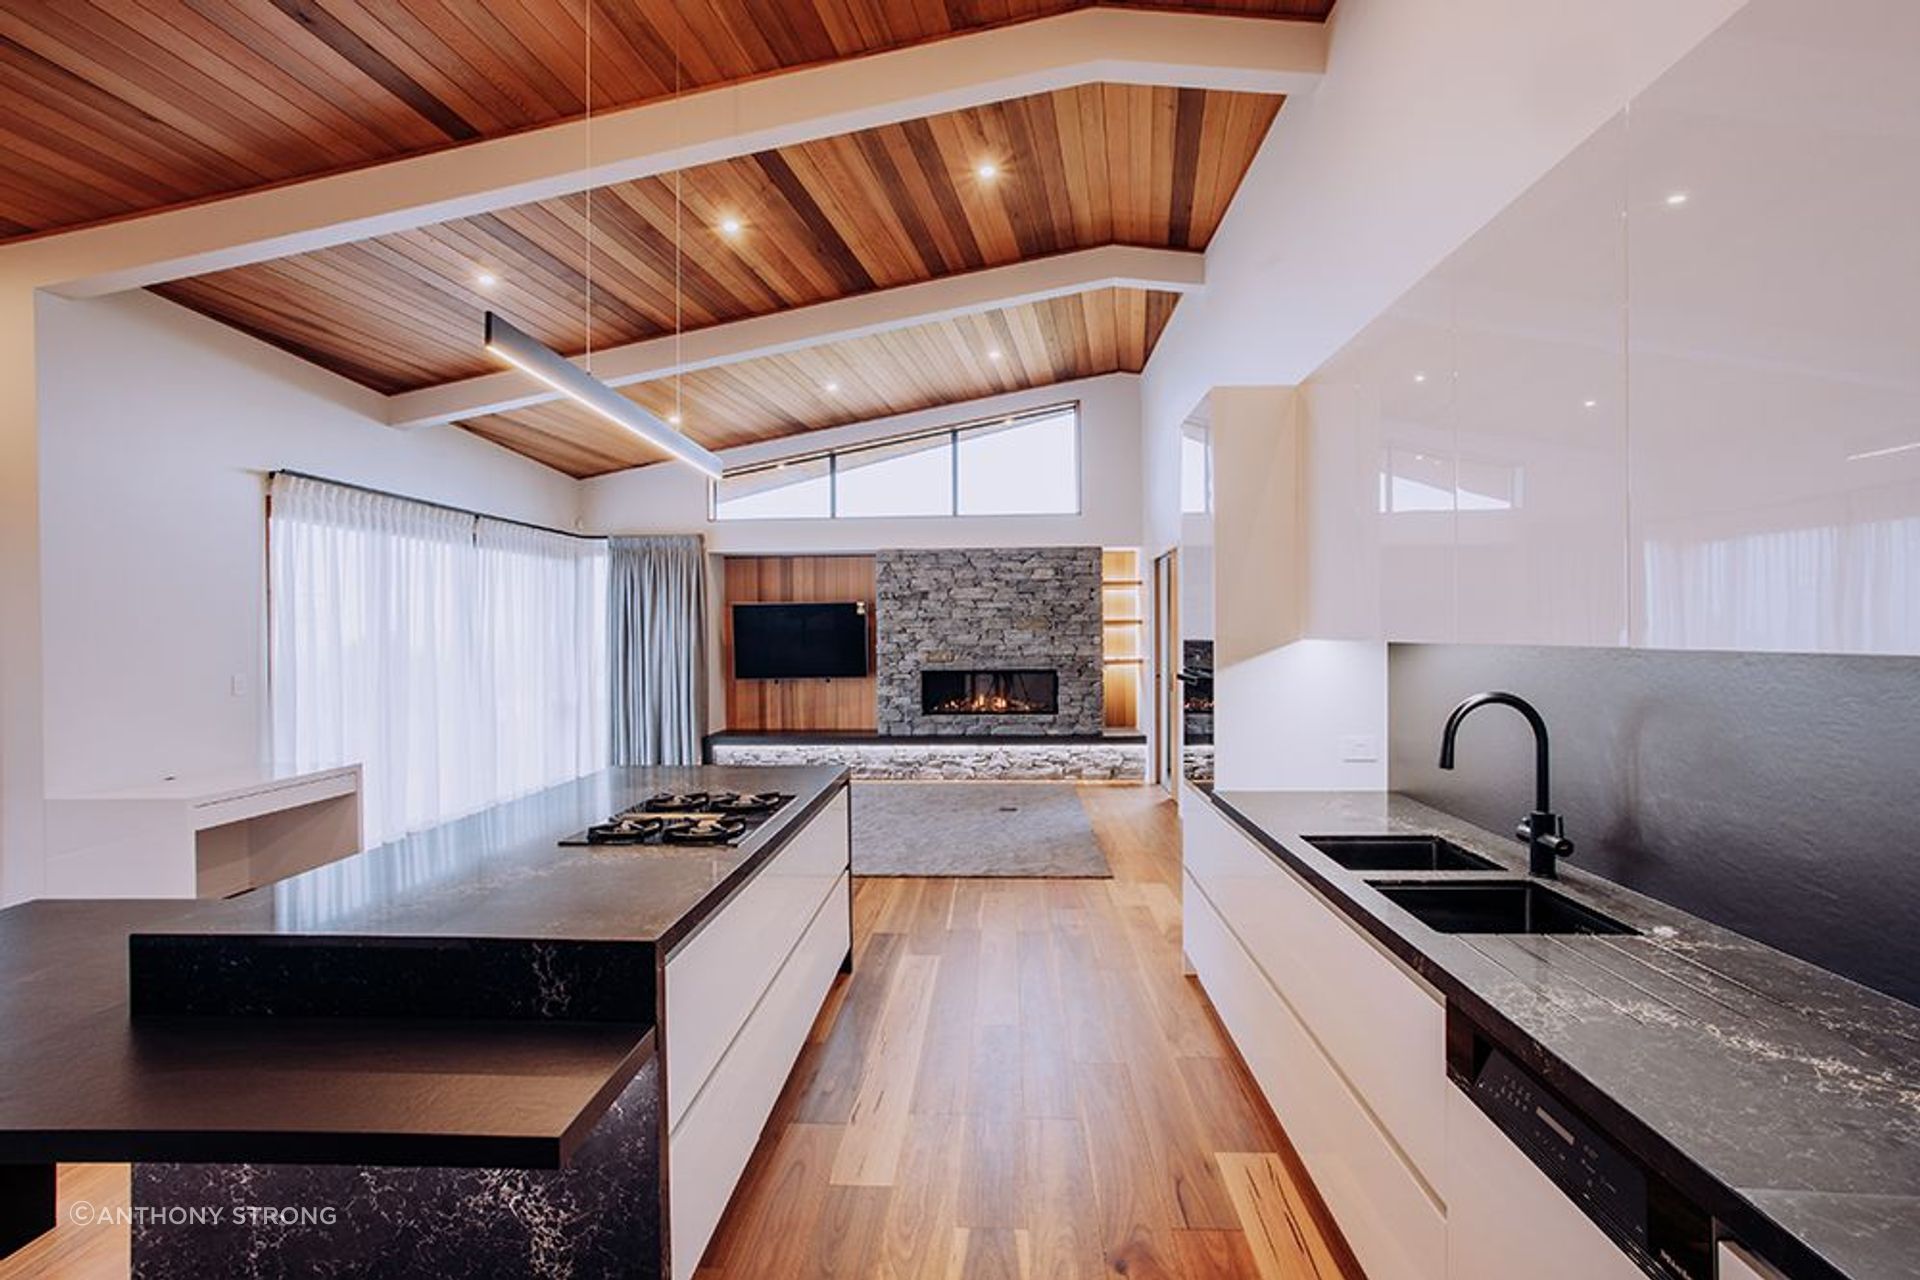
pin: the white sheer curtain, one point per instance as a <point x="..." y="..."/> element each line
<point x="543" y="601"/>
<point x="460" y="661"/>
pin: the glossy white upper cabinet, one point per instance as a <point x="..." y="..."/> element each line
<point x="1774" y="282"/>
<point x="1671" y="396"/>
<point x="1540" y="389"/>
<point x="1380" y="474"/>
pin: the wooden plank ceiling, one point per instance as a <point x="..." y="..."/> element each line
<point x="117" y="107"/>
<point x="895" y="205"/>
<point x="1037" y="344"/>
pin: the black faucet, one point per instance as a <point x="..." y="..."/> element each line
<point x="1543" y="830"/>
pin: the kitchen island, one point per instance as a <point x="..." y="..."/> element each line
<point x="470" y="1051"/>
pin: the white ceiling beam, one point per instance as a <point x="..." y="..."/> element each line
<point x="1084" y="47"/>
<point x="1037" y="279"/>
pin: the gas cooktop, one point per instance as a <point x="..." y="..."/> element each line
<point x="684" y="818"/>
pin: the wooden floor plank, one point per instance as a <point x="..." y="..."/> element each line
<point x="947" y="1055"/>
<point x="869" y="1152"/>
<point x="1062" y="1208"/>
<point x="1046" y="1053"/>
<point x="1214" y="1255"/>
<point x="916" y="1242"/>
<point x="1281" y="1245"/>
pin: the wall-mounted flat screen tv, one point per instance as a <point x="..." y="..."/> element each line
<point x="798" y="641"/>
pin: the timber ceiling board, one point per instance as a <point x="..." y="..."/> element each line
<point x="944" y="362"/>
<point x="117" y="107"/>
<point x="899" y="204"/>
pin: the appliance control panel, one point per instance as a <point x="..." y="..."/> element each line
<point x="1667" y="1235"/>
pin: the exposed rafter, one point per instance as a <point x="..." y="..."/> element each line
<point x="1090" y="46"/>
<point x="1116" y="266"/>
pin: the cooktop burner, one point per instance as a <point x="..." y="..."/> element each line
<point x="684" y="818"/>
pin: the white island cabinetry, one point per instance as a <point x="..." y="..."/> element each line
<point x="741" y="995"/>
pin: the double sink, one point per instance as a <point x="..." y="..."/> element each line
<point x="1477" y="905"/>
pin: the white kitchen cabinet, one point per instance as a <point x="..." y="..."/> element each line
<point x="741" y="995"/>
<point x="1348" y="1048"/>
<point x="708" y="1150"/>
<point x="1663" y="399"/>
<point x="1396" y="1227"/>
<point x="1506" y="1220"/>
<point x="716" y="977"/>
<point x="1382" y="1028"/>
<point x="1735" y="1262"/>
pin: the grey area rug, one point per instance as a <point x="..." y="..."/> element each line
<point x="973" y="829"/>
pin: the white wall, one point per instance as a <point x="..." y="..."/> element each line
<point x="157" y="427"/>
<point x="673" y="499"/>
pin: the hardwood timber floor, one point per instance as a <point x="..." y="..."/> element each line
<point x="1017" y="1081"/>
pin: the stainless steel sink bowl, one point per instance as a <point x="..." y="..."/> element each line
<point x="1498" y="906"/>
<point x="1399" y="853"/>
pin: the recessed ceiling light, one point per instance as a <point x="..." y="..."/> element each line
<point x="986" y="171"/>
<point x="829" y="387"/>
<point x="731" y="226"/>
<point x="1419" y="377"/>
<point x="994" y="354"/>
<point x="486" y="279"/>
<point x="1677" y="199"/>
<point x="1590" y="404"/>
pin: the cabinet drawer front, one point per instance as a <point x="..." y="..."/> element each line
<point x="717" y="977"/>
<point x="1383" y="1029"/>
<point x="1733" y="1262"/>
<point x="709" y="1148"/>
<point x="1396" y="1230"/>
<point x="1506" y="1220"/>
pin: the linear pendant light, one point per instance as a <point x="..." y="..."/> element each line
<point x="528" y="354"/>
<point x="532" y="356"/>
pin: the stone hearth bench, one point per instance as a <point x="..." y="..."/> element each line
<point x="1081" y="758"/>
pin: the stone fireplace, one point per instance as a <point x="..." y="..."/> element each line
<point x="993" y="641"/>
<point x="990" y="693"/>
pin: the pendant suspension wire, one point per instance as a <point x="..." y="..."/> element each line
<point x="679" y="414"/>
<point x="586" y="22"/>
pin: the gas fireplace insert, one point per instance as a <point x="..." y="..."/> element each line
<point x="990" y="693"/>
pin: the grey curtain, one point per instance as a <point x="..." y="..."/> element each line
<point x="658" y="648"/>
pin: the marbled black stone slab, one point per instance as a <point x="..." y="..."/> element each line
<point x="276" y="975"/>
<point x="599" y="1218"/>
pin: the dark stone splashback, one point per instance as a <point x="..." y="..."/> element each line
<point x="989" y="608"/>
<point x="597" y="1219"/>
<point x="1775" y="794"/>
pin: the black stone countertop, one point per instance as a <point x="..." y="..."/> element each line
<point x="80" y="1079"/>
<point x="501" y="873"/>
<point x="1781" y="1097"/>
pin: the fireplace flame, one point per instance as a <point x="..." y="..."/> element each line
<point x="987" y="704"/>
